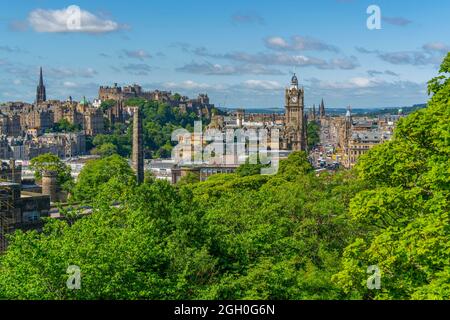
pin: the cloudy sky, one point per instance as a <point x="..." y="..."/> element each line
<point x="242" y="53"/>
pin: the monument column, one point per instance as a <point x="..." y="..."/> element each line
<point x="138" y="151"/>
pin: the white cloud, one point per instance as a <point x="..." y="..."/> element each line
<point x="299" y="43"/>
<point x="63" y="72"/>
<point x="191" y="85"/>
<point x="263" y="85"/>
<point x="282" y="58"/>
<point x="70" y="19"/>
<point x="352" y="83"/>
<point x="276" y="42"/>
<point x="208" y="68"/>
<point x="69" y="84"/>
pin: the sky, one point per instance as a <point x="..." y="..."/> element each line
<point x="242" y="53"/>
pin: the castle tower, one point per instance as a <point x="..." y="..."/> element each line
<point x="138" y="151"/>
<point x="294" y="116"/>
<point x="40" y="91"/>
<point x="322" y="110"/>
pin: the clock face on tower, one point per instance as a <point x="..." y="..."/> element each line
<point x="294" y="99"/>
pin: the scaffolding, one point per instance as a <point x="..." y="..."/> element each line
<point x="7" y="220"/>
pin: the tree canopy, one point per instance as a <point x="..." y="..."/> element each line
<point x="98" y="172"/>
<point x="405" y="213"/>
<point x="291" y="235"/>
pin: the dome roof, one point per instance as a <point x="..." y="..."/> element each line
<point x="84" y="101"/>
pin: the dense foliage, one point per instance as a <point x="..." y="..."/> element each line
<point x="405" y="213"/>
<point x="96" y="173"/>
<point x="292" y="235"/>
<point x="229" y="237"/>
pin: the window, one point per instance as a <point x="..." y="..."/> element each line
<point x="31" y="216"/>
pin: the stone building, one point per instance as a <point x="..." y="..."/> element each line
<point x="10" y="125"/>
<point x="360" y="142"/>
<point x="69" y="112"/>
<point x="37" y="118"/>
<point x="94" y="122"/>
<point x="19" y="209"/>
<point x="64" y="145"/>
<point x="82" y="115"/>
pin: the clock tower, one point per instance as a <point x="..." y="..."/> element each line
<point x="294" y="116"/>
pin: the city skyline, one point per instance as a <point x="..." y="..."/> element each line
<point x="240" y="54"/>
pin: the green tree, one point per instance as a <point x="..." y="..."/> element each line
<point x="313" y="134"/>
<point x="176" y="96"/>
<point x="98" y="172"/>
<point x="189" y="178"/>
<point x="64" y="125"/>
<point x="230" y="237"/>
<point x="51" y="162"/>
<point x="107" y="104"/>
<point x="105" y="150"/>
<point x="404" y="215"/>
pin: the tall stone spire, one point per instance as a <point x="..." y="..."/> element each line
<point x="138" y="151"/>
<point x="40" y="91"/>
<point x="314" y="112"/>
<point x="322" y="109"/>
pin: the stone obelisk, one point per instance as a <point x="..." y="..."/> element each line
<point x="138" y="151"/>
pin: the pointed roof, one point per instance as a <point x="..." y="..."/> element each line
<point x="41" y="78"/>
<point x="322" y="109"/>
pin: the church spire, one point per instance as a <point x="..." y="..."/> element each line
<point x="40" y="91"/>
<point x="322" y="109"/>
<point x="41" y="78"/>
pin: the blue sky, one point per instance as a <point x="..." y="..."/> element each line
<point x="242" y="53"/>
